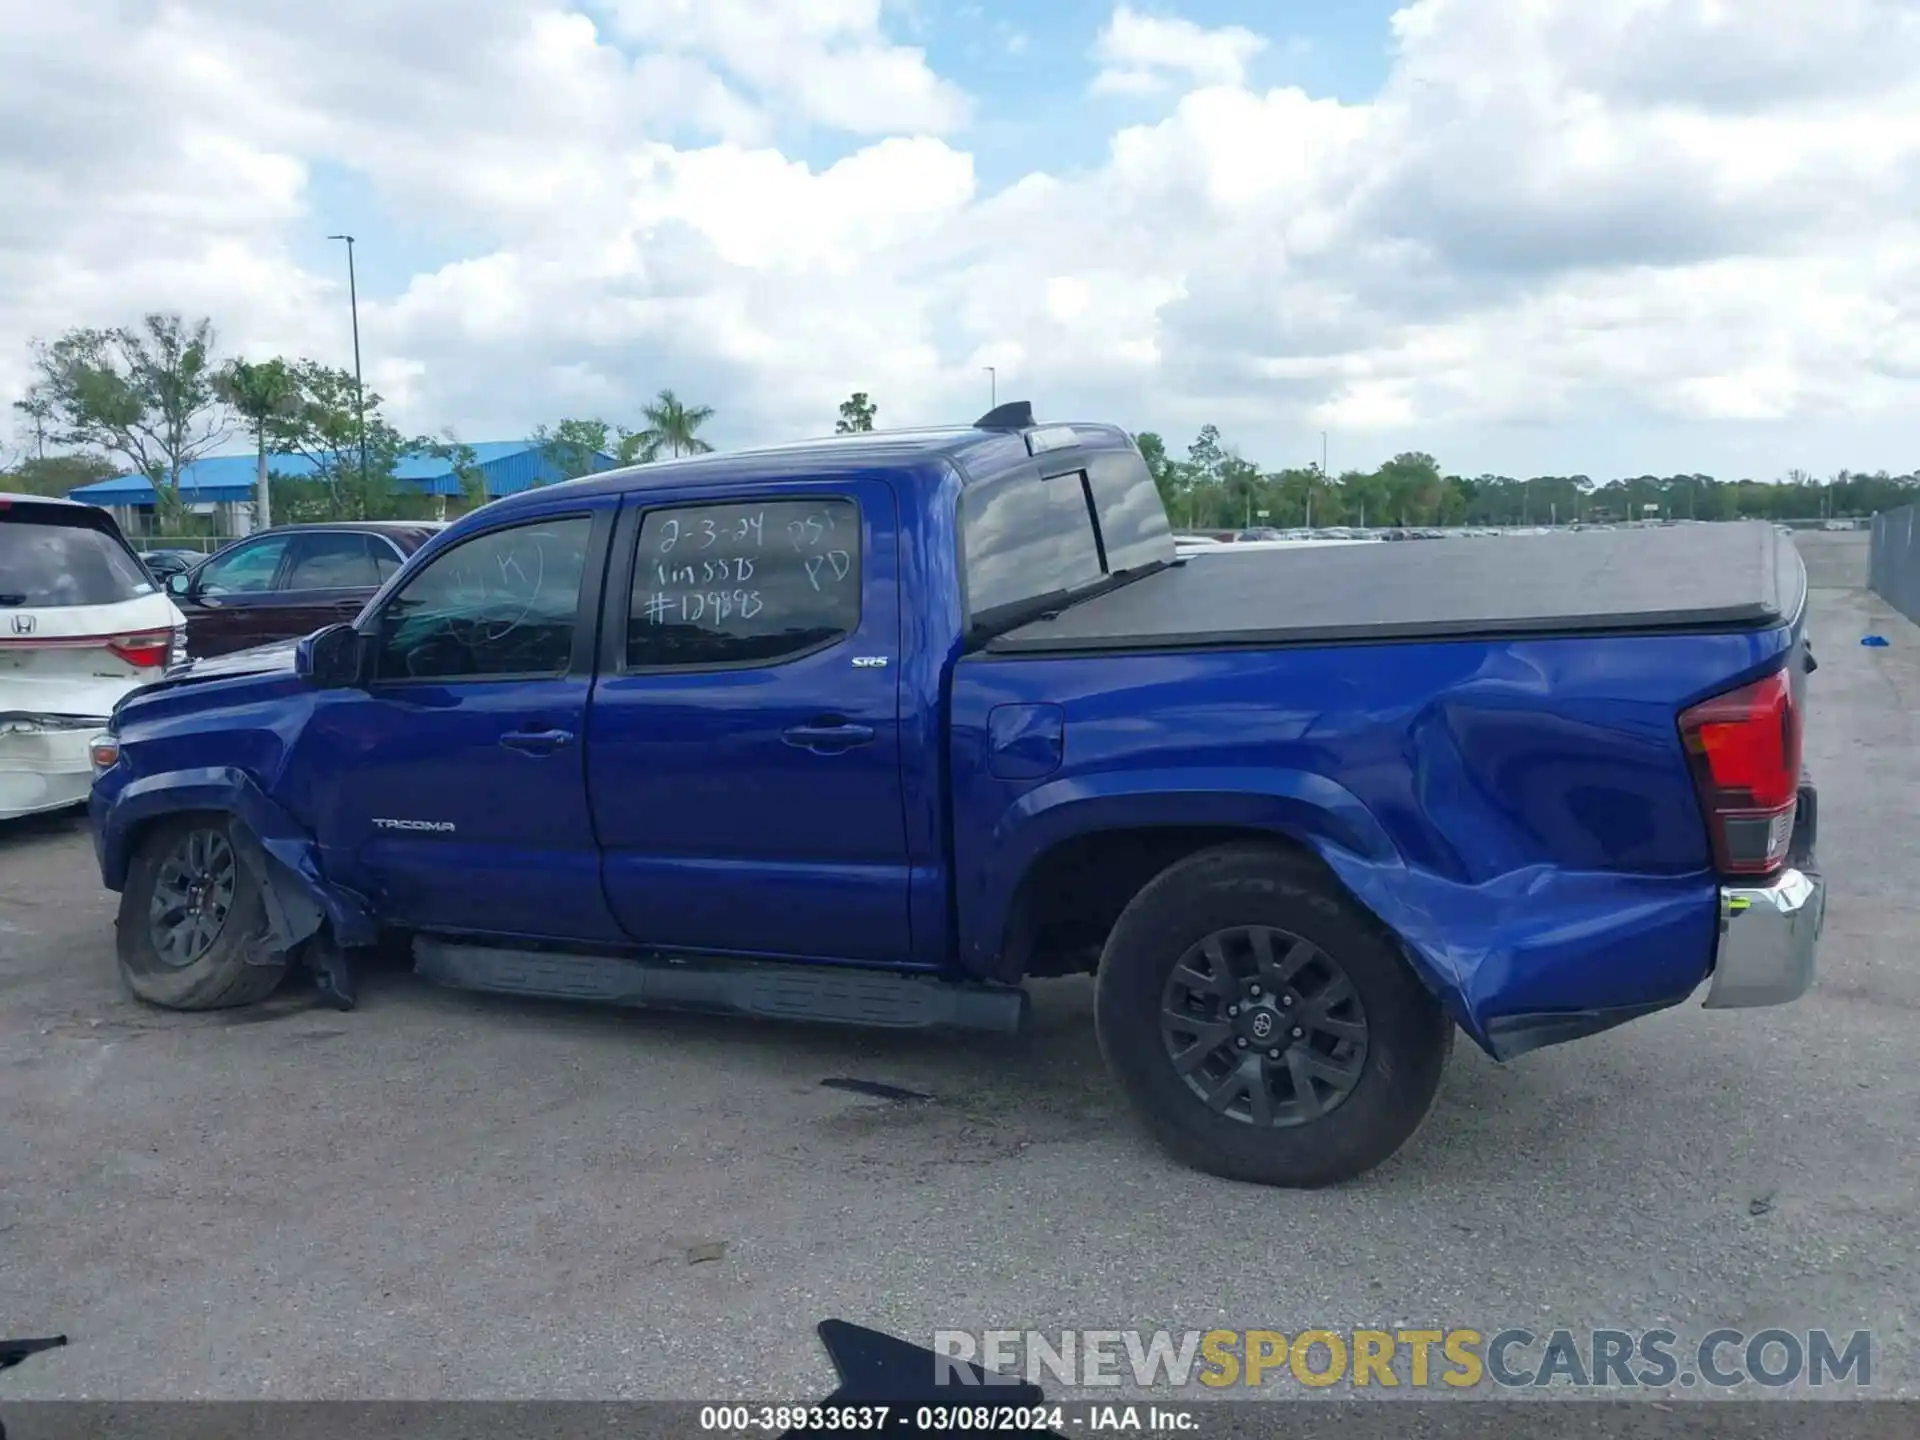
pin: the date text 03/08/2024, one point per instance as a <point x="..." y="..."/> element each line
<point x="747" y="1420"/>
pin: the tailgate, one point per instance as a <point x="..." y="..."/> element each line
<point x="78" y="660"/>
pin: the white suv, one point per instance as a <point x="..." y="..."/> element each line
<point x="81" y="624"/>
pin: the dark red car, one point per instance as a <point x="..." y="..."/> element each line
<point x="282" y="583"/>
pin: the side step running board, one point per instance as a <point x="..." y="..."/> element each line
<point x="828" y="993"/>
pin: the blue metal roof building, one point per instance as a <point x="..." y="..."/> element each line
<point x="509" y="466"/>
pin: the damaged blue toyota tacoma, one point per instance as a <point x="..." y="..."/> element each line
<point x="872" y="730"/>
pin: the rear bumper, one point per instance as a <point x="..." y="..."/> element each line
<point x="1769" y="935"/>
<point x="1764" y="948"/>
<point x="44" y="769"/>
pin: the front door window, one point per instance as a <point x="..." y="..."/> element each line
<point x="503" y="604"/>
<point x="247" y="569"/>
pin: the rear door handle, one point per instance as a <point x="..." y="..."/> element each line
<point x="536" y="742"/>
<point x="829" y="736"/>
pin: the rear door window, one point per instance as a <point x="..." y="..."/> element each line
<point x="335" y="560"/>
<point x="51" y="564"/>
<point x="747" y="583"/>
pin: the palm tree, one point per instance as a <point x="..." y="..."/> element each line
<point x="263" y="394"/>
<point x="672" y="429"/>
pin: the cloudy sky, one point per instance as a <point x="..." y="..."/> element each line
<point x="1528" y="235"/>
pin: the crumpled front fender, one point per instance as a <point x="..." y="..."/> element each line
<point x="299" y="897"/>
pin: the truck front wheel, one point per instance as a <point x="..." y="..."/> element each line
<point x="1262" y="1025"/>
<point x="190" y="917"/>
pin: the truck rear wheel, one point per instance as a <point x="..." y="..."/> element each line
<point x="1263" y="1026"/>
<point x="190" y="917"/>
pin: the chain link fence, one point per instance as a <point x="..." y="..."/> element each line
<point x="1893" y="562"/>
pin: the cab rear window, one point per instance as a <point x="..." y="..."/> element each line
<point x="1058" y="527"/>
<point x="1027" y="538"/>
<point x="52" y="564"/>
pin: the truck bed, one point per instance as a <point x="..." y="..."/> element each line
<point x="1736" y="576"/>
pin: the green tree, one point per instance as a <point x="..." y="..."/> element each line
<point x="1413" y="483"/>
<point x="144" y="394"/>
<point x="1288" y="492"/>
<point x="1240" y="486"/>
<point x="1214" y="488"/>
<point x="323" y="427"/>
<point x="56" y="474"/>
<point x="672" y="428"/>
<point x="464" y="462"/>
<point x="38" y="416"/>
<point x="1205" y="456"/>
<point x="1214" y="483"/>
<point x="856" y="414"/>
<point x="574" y="447"/>
<point x="1363" y="495"/>
<point x="259" y="394"/>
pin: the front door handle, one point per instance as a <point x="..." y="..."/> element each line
<point x="536" y="742"/>
<point x="829" y="736"/>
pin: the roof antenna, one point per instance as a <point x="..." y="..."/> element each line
<point x="1014" y="415"/>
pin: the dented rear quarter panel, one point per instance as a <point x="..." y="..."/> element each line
<point x="1519" y="812"/>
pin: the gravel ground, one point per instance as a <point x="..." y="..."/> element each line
<point x="447" y="1196"/>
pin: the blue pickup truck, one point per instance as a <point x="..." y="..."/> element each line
<point x="872" y="730"/>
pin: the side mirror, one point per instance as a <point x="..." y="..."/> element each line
<point x="179" y="583"/>
<point x="330" y="659"/>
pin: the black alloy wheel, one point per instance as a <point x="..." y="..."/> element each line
<point x="1264" y="1026"/>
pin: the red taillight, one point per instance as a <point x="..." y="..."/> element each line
<point x="1744" y="748"/>
<point x="146" y="650"/>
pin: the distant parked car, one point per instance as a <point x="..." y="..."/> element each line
<point x="163" y="565"/>
<point x="283" y="583"/>
<point x="1837" y="525"/>
<point x="1258" y="532"/>
<point x="1183" y="544"/>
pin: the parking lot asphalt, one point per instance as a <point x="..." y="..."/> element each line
<point x="442" y="1195"/>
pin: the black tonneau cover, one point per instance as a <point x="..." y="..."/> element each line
<point x="1737" y="576"/>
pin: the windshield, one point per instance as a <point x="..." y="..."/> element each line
<point x="56" y="564"/>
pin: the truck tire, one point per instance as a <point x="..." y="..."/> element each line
<point x="1262" y="1025"/>
<point x="190" y="917"/>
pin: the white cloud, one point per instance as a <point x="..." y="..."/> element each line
<point x="1558" y="232"/>
<point x="827" y="60"/>
<point x="1143" y="54"/>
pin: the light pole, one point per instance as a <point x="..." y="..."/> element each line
<point x="993" y="387"/>
<point x="359" y="390"/>
<point x="1323" y="475"/>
